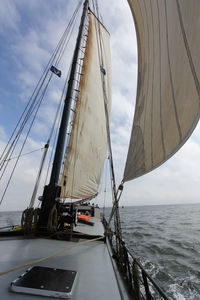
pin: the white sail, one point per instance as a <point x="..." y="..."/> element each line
<point x="87" y="147"/>
<point x="168" y="93"/>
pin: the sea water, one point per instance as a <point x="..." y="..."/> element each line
<point x="166" y="239"/>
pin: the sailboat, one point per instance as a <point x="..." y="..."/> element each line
<point x="65" y="249"/>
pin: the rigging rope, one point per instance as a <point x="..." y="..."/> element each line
<point x="14" y="143"/>
<point x="34" y="103"/>
<point x="56" y="120"/>
<point x="40" y="84"/>
<point x="115" y="210"/>
<point x="12" y="172"/>
<point x="50" y="256"/>
<point x="24" y="154"/>
<point x="75" y="96"/>
<point x="101" y="64"/>
<point x="105" y="190"/>
<point x="58" y="113"/>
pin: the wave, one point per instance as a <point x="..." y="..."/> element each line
<point x="165" y="238"/>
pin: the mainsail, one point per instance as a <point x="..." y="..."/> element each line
<point x="168" y="93"/>
<point x="87" y="146"/>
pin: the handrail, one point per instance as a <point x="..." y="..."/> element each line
<point x="129" y="268"/>
<point x="145" y="274"/>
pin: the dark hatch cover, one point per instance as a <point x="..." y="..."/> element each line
<point x="45" y="281"/>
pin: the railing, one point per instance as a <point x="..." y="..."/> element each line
<point x="141" y="285"/>
<point x="147" y="281"/>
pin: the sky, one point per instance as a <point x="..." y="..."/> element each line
<point x="29" y="32"/>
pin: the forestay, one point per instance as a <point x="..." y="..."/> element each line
<point x="167" y="104"/>
<point x="87" y="147"/>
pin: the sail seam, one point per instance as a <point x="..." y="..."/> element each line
<point x="147" y="68"/>
<point x="153" y="56"/>
<point x="197" y="84"/>
<point x="160" y="87"/>
<point x="170" y="75"/>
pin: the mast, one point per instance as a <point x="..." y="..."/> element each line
<point x="52" y="191"/>
<point x="66" y="110"/>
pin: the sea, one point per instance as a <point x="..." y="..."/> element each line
<point x="166" y="239"/>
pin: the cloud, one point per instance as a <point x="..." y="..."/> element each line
<point x="176" y="181"/>
<point x="33" y="55"/>
<point x="19" y="193"/>
<point x="30" y="38"/>
<point x="9" y="16"/>
<point x="3" y="133"/>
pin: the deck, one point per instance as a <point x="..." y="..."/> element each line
<point x="96" y="276"/>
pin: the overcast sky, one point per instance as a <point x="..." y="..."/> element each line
<point x="29" y="32"/>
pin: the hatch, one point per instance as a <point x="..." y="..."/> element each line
<point x="45" y="281"/>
